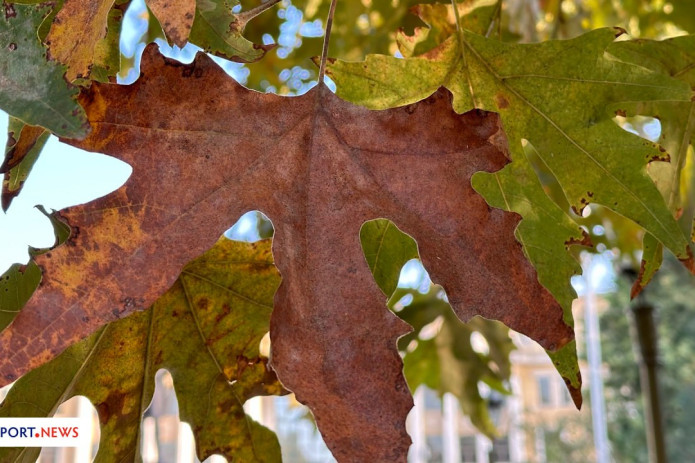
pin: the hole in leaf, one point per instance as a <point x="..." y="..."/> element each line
<point x="293" y="32"/>
<point x="439" y="352"/>
<point x="76" y="407"/>
<point x="251" y="227"/>
<point x="646" y="127"/>
<point x="294" y="425"/>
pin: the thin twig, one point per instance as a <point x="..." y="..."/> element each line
<point x="246" y="16"/>
<point x="496" y="19"/>
<point x="326" y="38"/>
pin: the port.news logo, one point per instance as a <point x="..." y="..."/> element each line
<point x="44" y="432"/>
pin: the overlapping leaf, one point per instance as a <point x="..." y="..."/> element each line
<point x="24" y="144"/>
<point x="675" y="58"/>
<point x="219" y="31"/>
<point x="570" y="133"/>
<point x="19" y="282"/>
<point x="318" y="167"/>
<point x="176" y="18"/>
<point x="555" y="96"/>
<point x="32" y="88"/>
<point x="445" y="362"/>
<point x="84" y="37"/>
<point x="205" y="330"/>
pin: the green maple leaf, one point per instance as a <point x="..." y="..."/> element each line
<point x="205" y="330"/>
<point x="219" y="31"/>
<point x="674" y="58"/>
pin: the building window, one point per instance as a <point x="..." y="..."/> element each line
<point x="500" y="450"/>
<point x="467" y="449"/>
<point x="565" y="397"/>
<point x="435" y="445"/>
<point x="432" y="400"/>
<point x="544" y="397"/>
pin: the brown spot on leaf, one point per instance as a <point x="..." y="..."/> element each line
<point x="501" y="101"/>
<point x="621" y="112"/>
<point x="584" y="241"/>
<point x="112" y="405"/>
<point x="638" y="285"/>
<point x="10" y="11"/>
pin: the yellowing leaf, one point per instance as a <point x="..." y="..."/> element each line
<point x="75" y="33"/>
<point x="24" y="144"/>
<point x="176" y="18"/>
<point x="205" y="330"/>
<point x="573" y="133"/>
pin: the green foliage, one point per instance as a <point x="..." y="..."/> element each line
<point x="672" y="293"/>
<point x="218" y="31"/>
<point x="386" y="249"/>
<point x="672" y="58"/>
<point x="445" y="360"/>
<point x="33" y="88"/>
<point x="17" y="285"/>
<point x="24" y="144"/>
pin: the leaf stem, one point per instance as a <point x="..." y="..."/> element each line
<point x="326" y="38"/>
<point x="244" y="17"/>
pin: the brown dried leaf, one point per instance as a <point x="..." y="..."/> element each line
<point x="176" y="18"/>
<point x="204" y="150"/>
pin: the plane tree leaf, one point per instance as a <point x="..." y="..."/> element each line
<point x="206" y="330"/>
<point x="176" y="18"/>
<point x="386" y="249"/>
<point x="476" y="16"/>
<point x="32" y="88"/>
<point x="24" y="144"/>
<point x="75" y="37"/>
<point x="674" y="58"/>
<point x="219" y="31"/>
<point x="318" y="167"/>
<point x="445" y="362"/>
<point x="572" y="134"/>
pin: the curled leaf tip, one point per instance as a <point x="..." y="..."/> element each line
<point x="619" y="31"/>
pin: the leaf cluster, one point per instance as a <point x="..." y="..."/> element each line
<point x="501" y="158"/>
